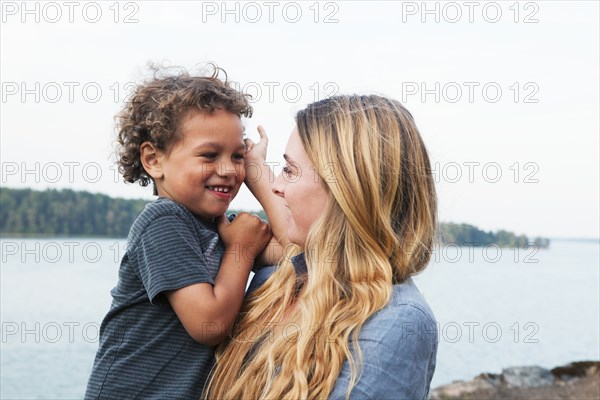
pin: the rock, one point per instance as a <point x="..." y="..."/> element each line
<point x="577" y="369"/>
<point x="518" y="377"/>
<point x="578" y="380"/>
<point x="460" y="389"/>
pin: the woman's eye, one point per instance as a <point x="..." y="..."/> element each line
<point x="286" y="170"/>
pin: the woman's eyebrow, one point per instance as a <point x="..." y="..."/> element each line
<point x="287" y="158"/>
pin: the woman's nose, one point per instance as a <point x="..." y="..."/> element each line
<point x="277" y="186"/>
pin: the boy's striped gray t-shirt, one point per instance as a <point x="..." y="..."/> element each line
<point x="144" y="350"/>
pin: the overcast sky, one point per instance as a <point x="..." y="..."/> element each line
<point x="505" y="94"/>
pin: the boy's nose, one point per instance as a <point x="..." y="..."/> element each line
<point x="226" y="169"/>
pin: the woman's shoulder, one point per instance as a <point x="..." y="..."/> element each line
<point x="407" y="295"/>
<point x="407" y="316"/>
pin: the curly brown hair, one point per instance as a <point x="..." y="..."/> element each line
<point x="157" y="106"/>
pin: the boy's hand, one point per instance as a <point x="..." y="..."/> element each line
<point x="247" y="233"/>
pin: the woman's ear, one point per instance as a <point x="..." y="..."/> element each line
<point x="151" y="157"/>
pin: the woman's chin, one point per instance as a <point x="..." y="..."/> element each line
<point x="296" y="237"/>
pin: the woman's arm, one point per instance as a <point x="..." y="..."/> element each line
<point x="259" y="178"/>
<point x="271" y="255"/>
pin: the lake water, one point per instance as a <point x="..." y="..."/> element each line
<point x="495" y="309"/>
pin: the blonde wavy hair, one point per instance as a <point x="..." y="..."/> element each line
<point x="293" y="334"/>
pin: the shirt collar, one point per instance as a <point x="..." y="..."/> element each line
<point x="299" y="263"/>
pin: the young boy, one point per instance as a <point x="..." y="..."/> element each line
<point x="182" y="279"/>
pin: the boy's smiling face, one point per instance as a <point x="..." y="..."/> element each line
<point x="204" y="169"/>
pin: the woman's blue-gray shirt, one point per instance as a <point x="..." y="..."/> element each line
<point x="398" y="344"/>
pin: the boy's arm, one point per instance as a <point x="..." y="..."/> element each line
<point x="259" y="178"/>
<point x="208" y="312"/>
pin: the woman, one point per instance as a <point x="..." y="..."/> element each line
<point x="340" y="317"/>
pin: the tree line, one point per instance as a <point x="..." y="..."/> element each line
<point x="29" y="212"/>
<point x="78" y="213"/>
<point x="469" y="235"/>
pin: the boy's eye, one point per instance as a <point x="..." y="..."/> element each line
<point x="238" y="157"/>
<point x="209" y="155"/>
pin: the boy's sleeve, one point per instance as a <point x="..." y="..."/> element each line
<point x="170" y="256"/>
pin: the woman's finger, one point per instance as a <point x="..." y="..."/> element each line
<point x="249" y="143"/>
<point x="262" y="133"/>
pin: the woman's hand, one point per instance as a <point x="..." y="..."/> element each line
<point x="256" y="153"/>
<point x="259" y="175"/>
<point x="259" y="178"/>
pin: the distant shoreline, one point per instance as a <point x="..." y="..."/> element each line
<point x="9" y="235"/>
<point x="28" y="213"/>
<point x="12" y="235"/>
<point x="575" y="239"/>
<point x="57" y="236"/>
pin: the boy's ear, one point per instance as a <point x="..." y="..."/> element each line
<point x="151" y="157"/>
